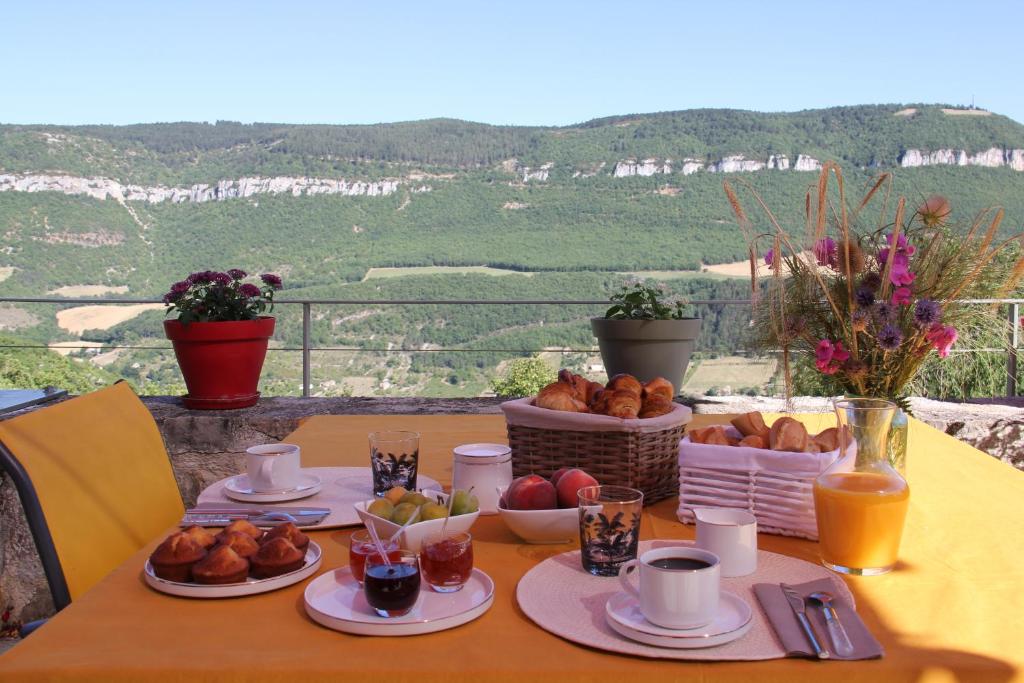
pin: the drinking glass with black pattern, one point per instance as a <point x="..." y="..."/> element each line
<point x="394" y="460"/>
<point x="609" y="527"/>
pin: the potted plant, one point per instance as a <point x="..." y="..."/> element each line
<point x="220" y="336"/>
<point x="645" y="336"/>
<point x="867" y="306"/>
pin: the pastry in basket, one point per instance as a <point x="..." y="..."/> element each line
<point x="244" y="526"/>
<point x="275" y="557"/>
<point x="715" y="435"/>
<point x="621" y="403"/>
<point x="243" y="544"/>
<point x="654" y="406"/>
<point x="289" y="531"/>
<point x="173" y="559"/>
<point x="203" y="537"/>
<point x="788" y="435"/>
<point x="560" y="396"/>
<point x="624" y="382"/>
<point x="221" y="565"/>
<point x="659" y="386"/>
<point x="751" y="424"/>
<point x="582" y="387"/>
<point x="827" y="440"/>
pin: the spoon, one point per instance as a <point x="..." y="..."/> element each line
<point x="840" y="641"/>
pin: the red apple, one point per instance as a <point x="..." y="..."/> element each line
<point x="558" y="475"/>
<point x="531" y="492"/>
<point x="569" y="484"/>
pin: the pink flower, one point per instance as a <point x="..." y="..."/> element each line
<point x="942" y="337"/>
<point x="829" y="356"/>
<point x="840" y="354"/>
<point x="900" y="274"/>
<point x="769" y="258"/>
<point x="825" y="252"/>
<point x="901" y="296"/>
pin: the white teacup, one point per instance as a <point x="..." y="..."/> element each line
<point x="679" y="587"/>
<point x="732" y="535"/>
<point x="273" y="467"/>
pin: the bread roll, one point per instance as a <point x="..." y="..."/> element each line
<point x="750" y="424"/>
<point x="827" y="440"/>
<point x="787" y="435"/>
<point x="753" y="441"/>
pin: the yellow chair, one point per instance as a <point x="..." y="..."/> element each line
<point x="95" y="481"/>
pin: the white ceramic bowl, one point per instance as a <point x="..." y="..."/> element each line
<point x="542" y="526"/>
<point x="413" y="536"/>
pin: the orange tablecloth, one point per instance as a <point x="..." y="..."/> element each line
<point x="952" y="611"/>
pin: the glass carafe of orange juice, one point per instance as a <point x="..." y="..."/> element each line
<point x="860" y="500"/>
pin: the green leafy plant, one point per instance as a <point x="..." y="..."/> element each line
<point x="638" y="301"/>
<point x="210" y="296"/>
<point x="524" y="377"/>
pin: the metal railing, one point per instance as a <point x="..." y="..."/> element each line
<point x="1013" y="316"/>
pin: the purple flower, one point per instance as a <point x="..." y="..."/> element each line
<point x="237" y="274"/>
<point x="180" y="287"/>
<point x="220" y="278"/>
<point x="201" y="278"/>
<point x="171" y="297"/>
<point x="825" y="252"/>
<point x="900" y="274"/>
<point x="890" y="337"/>
<point x="250" y="291"/>
<point x="885" y="312"/>
<point x="272" y="280"/>
<point x="769" y="258"/>
<point x="864" y="296"/>
<point x="871" y="281"/>
<point x="860" y="319"/>
<point x="926" y="313"/>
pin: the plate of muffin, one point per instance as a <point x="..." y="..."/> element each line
<point x="241" y="559"/>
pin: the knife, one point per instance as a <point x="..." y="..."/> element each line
<point x="796" y="601"/>
<point x="215" y="515"/>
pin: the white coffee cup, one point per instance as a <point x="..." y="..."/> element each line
<point x="675" y="597"/>
<point x="732" y="535"/>
<point x="273" y="467"/>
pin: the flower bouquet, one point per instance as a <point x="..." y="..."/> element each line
<point x="871" y="301"/>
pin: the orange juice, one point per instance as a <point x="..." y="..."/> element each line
<point x="860" y="519"/>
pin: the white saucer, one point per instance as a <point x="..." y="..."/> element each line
<point x="250" y="586"/>
<point x="239" y="488"/>
<point x="733" y="621"/>
<point x="335" y="600"/>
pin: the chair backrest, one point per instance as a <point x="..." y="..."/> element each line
<point x="102" y="476"/>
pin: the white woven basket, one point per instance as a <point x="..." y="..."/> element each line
<point x="777" y="487"/>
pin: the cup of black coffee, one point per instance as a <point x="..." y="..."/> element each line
<point x="678" y="587"/>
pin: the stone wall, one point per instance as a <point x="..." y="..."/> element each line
<point x="206" y="446"/>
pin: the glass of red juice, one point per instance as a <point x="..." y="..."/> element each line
<point x="447" y="561"/>
<point x="392" y="587"/>
<point x="360" y="546"/>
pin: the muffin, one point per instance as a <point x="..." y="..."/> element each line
<point x="239" y="542"/>
<point x="221" y="565"/>
<point x="289" y="531"/>
<point x="244" y="526"/>
<point x="173" y="559"/>
<point x="205" y="539"/>
<point x="275" y="557"/>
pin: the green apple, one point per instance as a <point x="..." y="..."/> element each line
<point x="464" y="502"/>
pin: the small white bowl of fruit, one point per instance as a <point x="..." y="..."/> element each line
<point x="388" y="514"/>
<point x="539" y="510"/>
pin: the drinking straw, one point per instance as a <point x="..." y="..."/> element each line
<point x="451" y="499"/>
<point x="412" y="519"/>
<point x="380" y="546"/>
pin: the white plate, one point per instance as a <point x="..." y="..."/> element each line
<point x="239" y="488"/>
<point x="414" y="534"/>
<point x="733" y="621"/>
<point x="336" y="600"/>
<point x="250" y="586"/>
<point x="342" y="487"/>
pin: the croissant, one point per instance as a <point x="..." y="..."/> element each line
<point x="653" y="406"/>
<point x="659" y="386"/>
<point x="625" y="382"/>
<point x="623" y="404"/>
<point x="560" y="396"/>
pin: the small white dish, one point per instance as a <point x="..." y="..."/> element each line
<point x="733" y="621"/>
<point x="250" y="586"/>
<point x="239" y="488"/>
<point x="337" y="601"/>
<point x="560" y="525"/>
<point x="414" y="535"/>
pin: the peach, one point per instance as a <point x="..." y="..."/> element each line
<point x="531" y="492"/>
<point x="571" y="482"/>
<point x="558" y="475"/>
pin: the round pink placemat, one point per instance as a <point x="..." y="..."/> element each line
<point x="565" y="600"/>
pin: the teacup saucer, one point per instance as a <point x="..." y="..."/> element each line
<point x="239" y="488"/>
<point x="733" y="621"/>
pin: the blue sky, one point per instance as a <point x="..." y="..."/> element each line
<point x="494" y="61"/>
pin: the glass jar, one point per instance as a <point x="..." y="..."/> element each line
<point x="484" y="467"/>
<point x="860" y="501"/>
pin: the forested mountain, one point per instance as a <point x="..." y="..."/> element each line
<point x="569" y="209"/>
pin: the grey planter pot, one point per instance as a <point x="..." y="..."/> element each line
<point x="647" y="348"/>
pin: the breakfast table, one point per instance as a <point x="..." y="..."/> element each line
<point x="952" y="610"/>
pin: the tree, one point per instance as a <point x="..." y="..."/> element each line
<point x="524" y="377"/>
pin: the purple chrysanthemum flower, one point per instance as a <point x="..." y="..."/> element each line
<point x="890" y="337"/>
<point x="180" y="287"/>
<point x="200" y="278"/>
<point x="220" y="278"/>
<point x="926" y="313"/>
<point x="884" y="312"/>
<point x="864" y="297"/>
<point x="171" y="297"/>
<point x="237" y="274"/>
<point x="272" y="280"/>
<point x="248" y="290"/>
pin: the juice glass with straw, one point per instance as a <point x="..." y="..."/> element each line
<point x="860" y="501"/>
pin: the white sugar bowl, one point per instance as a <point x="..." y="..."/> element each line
<point x="484" y="467"/>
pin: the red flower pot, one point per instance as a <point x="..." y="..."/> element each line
<point x="221" y="361"/>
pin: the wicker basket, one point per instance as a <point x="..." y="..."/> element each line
<point x="641" y="454"/>
<point x="776" y="487"/>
